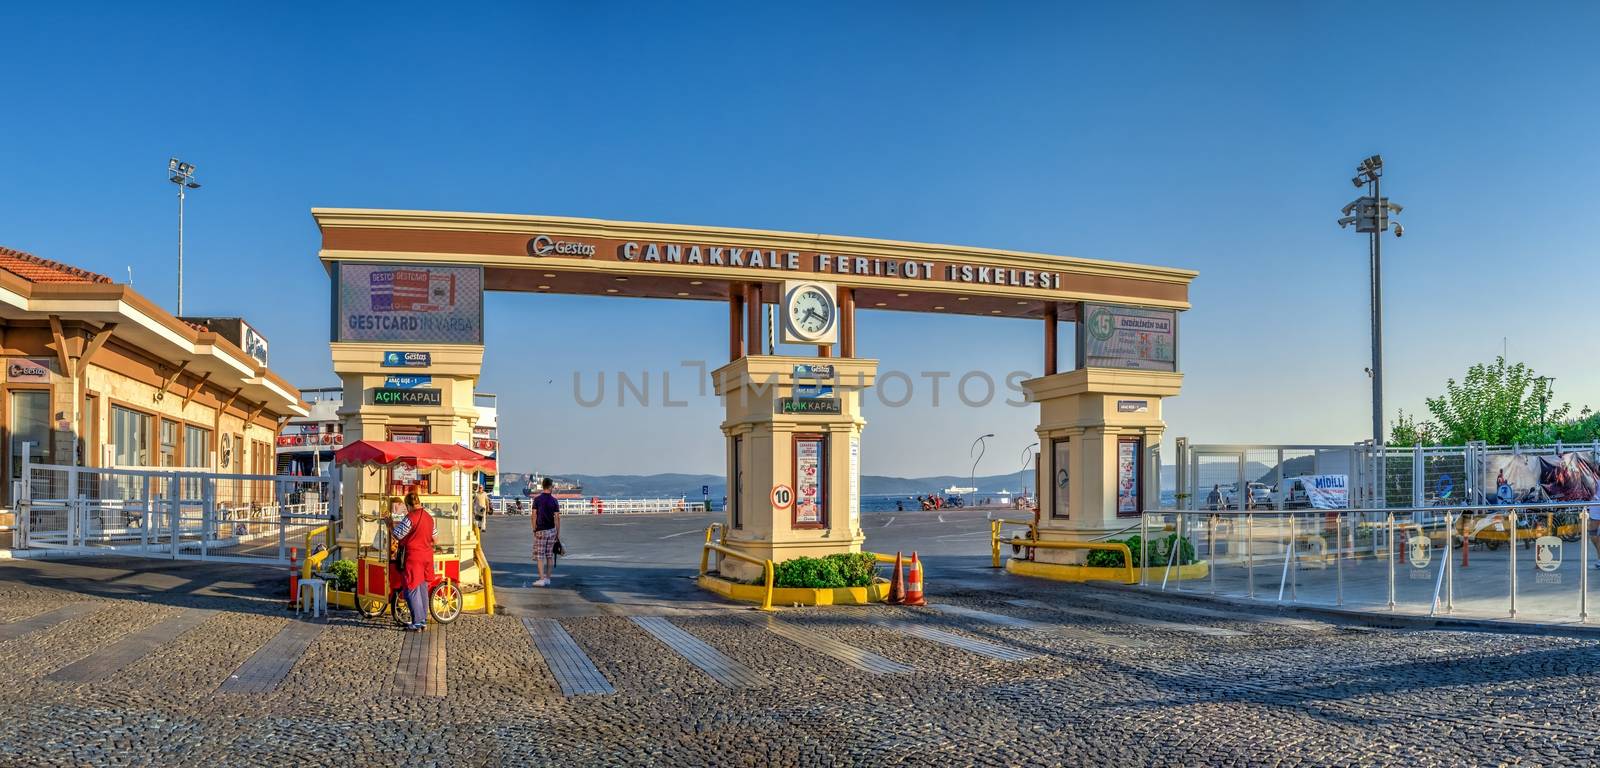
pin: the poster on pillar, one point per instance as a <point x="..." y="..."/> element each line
<point x="1061" y="465"/>
<point x="1128" y="476"/>
<point x="855" y="483"/>
<point x="809" y="478"/>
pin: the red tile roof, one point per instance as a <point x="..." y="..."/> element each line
<point x="36" y="270"/>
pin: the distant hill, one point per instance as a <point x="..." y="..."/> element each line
<point x="674" y="484"/>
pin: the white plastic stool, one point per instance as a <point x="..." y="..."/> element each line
<point x="318" y="597"/>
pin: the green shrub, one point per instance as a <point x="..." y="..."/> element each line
<point x="846" y="569"/>
<point x="344" y="575"/>
<point x="1157" y="556"/>
<point x="1104" y="558"/>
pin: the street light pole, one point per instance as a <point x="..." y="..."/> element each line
<point x="972" y="477"/>
<point x="1370" y="215"/>
<point x="182" y="174"/>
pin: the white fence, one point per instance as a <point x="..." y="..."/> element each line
<point x="597" y="506"/>
<point x="168" y="512"/>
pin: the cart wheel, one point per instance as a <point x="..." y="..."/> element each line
<point x="1571" y="537"/>
<point x="400" y="610"/>
<point x="371" y="607"/>
<point x="1491" y="545"/>
<point x="444" y="602"/>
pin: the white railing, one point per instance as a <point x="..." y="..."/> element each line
<point x="627" y="506"/>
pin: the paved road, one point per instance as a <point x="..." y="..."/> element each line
<point x="124" y="662"/>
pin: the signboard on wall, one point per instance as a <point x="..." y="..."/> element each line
<point x="408" y="303"/>
<point x="809" y="480"/>
<point x="1061" y="469"/>
<point x="1111" y="336"/>
<point x="1128" y="476"/>
<point x="394" y="396"/>
<point x="23" y="370"/>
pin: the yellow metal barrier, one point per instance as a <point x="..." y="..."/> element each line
<point x="766" y="565"/>
<point x="314" y="560"/>
<point x="1104" y="546"/>
<point x="994" y="535"/>
<point x="483" y="570"/>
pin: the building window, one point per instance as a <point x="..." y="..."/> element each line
<point x="169" y="443"/>
<point x="130" y="434"/>
<point x="196" y="447"/>
<point x="1060" y="478"/>
<point x="30" y="424"/>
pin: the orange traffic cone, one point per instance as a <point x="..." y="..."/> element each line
<point x="897" y="585"/>
<point x="914" y="582"/>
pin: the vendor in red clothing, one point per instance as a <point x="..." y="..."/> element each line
<point x="413" y="537"/>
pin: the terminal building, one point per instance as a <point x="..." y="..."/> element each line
<point x="97" y="375"/>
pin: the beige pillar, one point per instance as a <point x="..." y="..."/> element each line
<point x="761" y="447"/>
<point x="1090" y="421"/>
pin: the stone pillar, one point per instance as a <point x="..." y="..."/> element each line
<point x="765" y="432"/>
<point x="452" y="369"/>
<point x="1088" y="418"/>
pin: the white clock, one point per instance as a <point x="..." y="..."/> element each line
<point x="810" y="313"/>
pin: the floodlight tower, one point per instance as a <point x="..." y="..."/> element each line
<point x="182" y="174"/>
<point x="1370" y="215"/>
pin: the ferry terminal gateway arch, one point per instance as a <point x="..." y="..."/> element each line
<point x="407" y="344"/>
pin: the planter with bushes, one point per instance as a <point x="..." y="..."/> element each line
<point x="846" y="578"/>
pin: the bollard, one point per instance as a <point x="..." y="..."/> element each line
<point x="294" y="577"/>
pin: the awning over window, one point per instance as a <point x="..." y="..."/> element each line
<point x="423" y="456"/>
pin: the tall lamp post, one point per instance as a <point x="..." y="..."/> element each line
<point x="1370" y="215"/>
<point x="182" y="174"/>
<point x="1027" y="458"/>
<point x="972" y="477"/>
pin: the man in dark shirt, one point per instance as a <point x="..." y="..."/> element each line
<point x="546" y="532"/>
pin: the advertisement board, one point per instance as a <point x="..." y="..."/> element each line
<point x="1128" y="453"/>
<point x="1061" y="471"/>
<point x="1110" y="336"/>
<point x="408" y="303"/>
<point x="1324" y="491"/>
<point x="809" y="480"/>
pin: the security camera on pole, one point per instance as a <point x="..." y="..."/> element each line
<point x="1370" y="215"/>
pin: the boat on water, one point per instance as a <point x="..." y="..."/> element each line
<point x="958" y="490"/>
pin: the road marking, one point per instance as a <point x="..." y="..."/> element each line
<point x="683" y="533"/>
<point x="567" y="662"/>
<point x="420" y="670"/>
<point x="1173" y="626"/>
<point x="865" y="661"/>
<point x="114" y="657"/>
<point x="980" y="647"/>
<point x="1077" y="633"/>
<point x="46" y="620"/>
<point x="941" y="518"/>
<point x="887" y="522"/>
<point x="1245" y="616"/>
<point x="962" y="535"/>
<point x="992" y="618"/>
<point x="695" y="651"/>
<point x="270" y="664"/>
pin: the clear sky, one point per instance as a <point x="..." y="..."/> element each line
<point x="1213" y="136"/>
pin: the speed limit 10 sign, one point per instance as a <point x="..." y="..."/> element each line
<point x="782" y="496"/>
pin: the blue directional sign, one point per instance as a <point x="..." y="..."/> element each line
<point x="407" y="382"/>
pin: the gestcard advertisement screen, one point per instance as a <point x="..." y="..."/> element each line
<point x="1127" y="337"/>
<point x="409" y="303"/>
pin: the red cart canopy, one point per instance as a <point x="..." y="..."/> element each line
<point x="423" y="456"/>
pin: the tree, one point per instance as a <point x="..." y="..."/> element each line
<point x="1496" y="403"/>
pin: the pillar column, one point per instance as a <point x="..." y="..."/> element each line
<point x="735" y="321"/>
<point x="847" y="322"/>
<point x="1050" y="345"/>
<point x="752" y="315"/>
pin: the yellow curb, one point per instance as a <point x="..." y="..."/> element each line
<point x="1063" y="572"/>
<point x="753" y="593"/>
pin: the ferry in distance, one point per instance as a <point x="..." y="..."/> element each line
<point x="957" y="490"/>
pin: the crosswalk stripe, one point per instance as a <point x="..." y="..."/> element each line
<point x="695" y="651"/>
<point x="41" y="621"/>
<point x="420" y="671"/>
<point x="972" y="645"/>
<point x="985" y="616"/>
<point x="567" y="662"/>
<point x="1064" y="630"/>
<point x="270" y="664"/>
<point x="865" y="661"/>
<point x="1243" y="616"/>
<point x="1127" y="618"/>
<point x="112" y="658"/>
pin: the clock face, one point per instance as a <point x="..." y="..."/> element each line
<point x="811" y="311"/>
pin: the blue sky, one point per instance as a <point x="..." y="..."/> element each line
<point x="1218" y="137"/>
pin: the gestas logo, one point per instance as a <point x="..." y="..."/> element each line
<point x="545" y="245"/>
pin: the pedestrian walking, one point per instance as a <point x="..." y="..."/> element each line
<point x="546" y="532"/>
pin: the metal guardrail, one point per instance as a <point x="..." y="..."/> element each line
<point x="994" y="534"/>
<point x="1392" y="532"/>
<point x="724" y="551"/>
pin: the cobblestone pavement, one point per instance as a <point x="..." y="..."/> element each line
<point x="1303" y="692"/>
